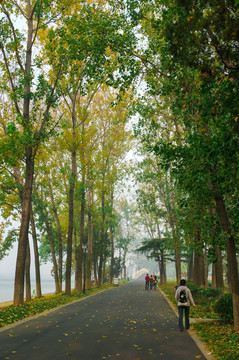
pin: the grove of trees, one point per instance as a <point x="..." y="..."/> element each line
<point x="69" y="75"/>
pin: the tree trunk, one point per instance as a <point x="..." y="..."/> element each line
<point x="36" y="256"/>
<point x="70" y="223"/>
<point x="231" y="254"/>
<point x="219" y="268"/>
<point x="90" y="243"/>
<point x="190" y="267"/>
<point x="198" y="269"/>
<point x="95" y="273"/>
<point x="82" y="230"/>
<point x="59" y="233"/>
<point x="77" y="261"/>
<point x="27" y="274"/>
<point x="53" y="254"/>
<point x="205" y="268"/>
<point x="23" y="237"/>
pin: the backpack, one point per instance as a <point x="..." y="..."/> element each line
<point x="182" y="297"/>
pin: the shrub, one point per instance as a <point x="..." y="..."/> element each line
<point x="223" y="307"/>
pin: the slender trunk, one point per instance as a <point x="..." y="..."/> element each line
<point x="231" y="253"/>
<point x="111" y="245"/>
<point x="77" y="261"/>
<point x="82" y="230"/>
<point x="103" y="272"/>
<point x="90" y="244"/>
<point x="190" y="267"/>
<point x="198" y="269"/>
<point x="55" y="267"/>
<point x="95" y="273"/>
<point x="124" y="263"/>
<point x="161" y="269"/>
<point x="23" y="237"/>
<point x="28" y="277"/>
<point x="205" y="268"/>
<point x="70" y="223"/>
<point x="29" y="167"/>
<point x="60" y="237"/>
<point x="36" y="256"/>
<point x="218" y="268"/>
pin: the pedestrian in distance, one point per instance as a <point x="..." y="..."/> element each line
<point x="184" y="299"/>
<point x="155" y="282"/>
<point x="147" y="282"/>
<point x="151" y="282"/>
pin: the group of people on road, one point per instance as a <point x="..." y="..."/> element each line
<point x="151" y="282"/>
<point x="183" y="297"/>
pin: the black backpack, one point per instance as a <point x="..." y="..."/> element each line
<point x="182" y="297"/>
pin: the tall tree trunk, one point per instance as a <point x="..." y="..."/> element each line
<point x="90" y="242"/>
<point x="218" y="268"/>
<point x="23" y="237"/>
<point x="82" y="230"/>
<point x="59" y="233"/>
<point x="231" y="253"/>
<point x="29" y="170"/>
<point x="53" y="254"/>
<point x="205" y="267"/>
<point x="190" y="267"/>
<point x="70" y="224"/>
<point x="111" y="244"/>
<point x="198" y="269"/>
<point x="36" y="256"/>
<point x="28" y="277"/>
<point x="77" y="261"/>
<point x="95" y="273"/>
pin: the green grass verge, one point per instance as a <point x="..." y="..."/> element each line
<point x="220" y="337"/>
<point x="13" y="313"/>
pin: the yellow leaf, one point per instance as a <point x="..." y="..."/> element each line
<point x="198" y="356"/>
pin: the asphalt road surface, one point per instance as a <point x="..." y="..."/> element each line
<point x="123" y="323"/>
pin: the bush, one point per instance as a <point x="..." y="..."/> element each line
<point x="203" y="295"/>
<point x="223" y="307"/>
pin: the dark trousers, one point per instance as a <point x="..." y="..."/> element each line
<point x="180" y="319"/>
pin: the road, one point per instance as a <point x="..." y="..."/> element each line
<point x="125" y="322"/>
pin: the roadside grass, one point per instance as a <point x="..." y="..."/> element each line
<point x="13" y="313"/>
<point x="221" y="338"/>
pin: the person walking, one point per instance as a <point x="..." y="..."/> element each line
<point x="147" y="282"/>
<point x="155" y="282"/>
<point x="151" y="282"/>
<point x="184" y="298"/>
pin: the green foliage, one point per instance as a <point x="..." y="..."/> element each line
<point x="223" y="306"/>
<point x="220" y="337"/>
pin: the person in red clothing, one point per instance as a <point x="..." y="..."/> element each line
<point x="147" y="282"/>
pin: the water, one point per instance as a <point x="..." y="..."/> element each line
<point x="7" y="288"/>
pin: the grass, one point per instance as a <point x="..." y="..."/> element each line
<point x="13" y="313"/>
<point x="220" y="336"/>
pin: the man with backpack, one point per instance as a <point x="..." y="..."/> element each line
<point x="184" y="298"/>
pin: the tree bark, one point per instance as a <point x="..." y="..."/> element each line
<point x="36" y="256"/>
<point x="190" y="267"/>
<point x="231" y="253"/>
<point x="198" y="269"/>
<point x="27" y="274"/>
<point x="70" y="223"/>
<point x="90" y="242"/>
<point x="55" y="267"/>
<point x="23" y="237"/>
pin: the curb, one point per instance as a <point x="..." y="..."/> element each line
<point x="201" y="345"/>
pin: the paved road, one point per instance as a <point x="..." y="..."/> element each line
<point x="126" y="323"/>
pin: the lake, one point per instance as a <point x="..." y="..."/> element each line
<point x="7" y="288"/>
